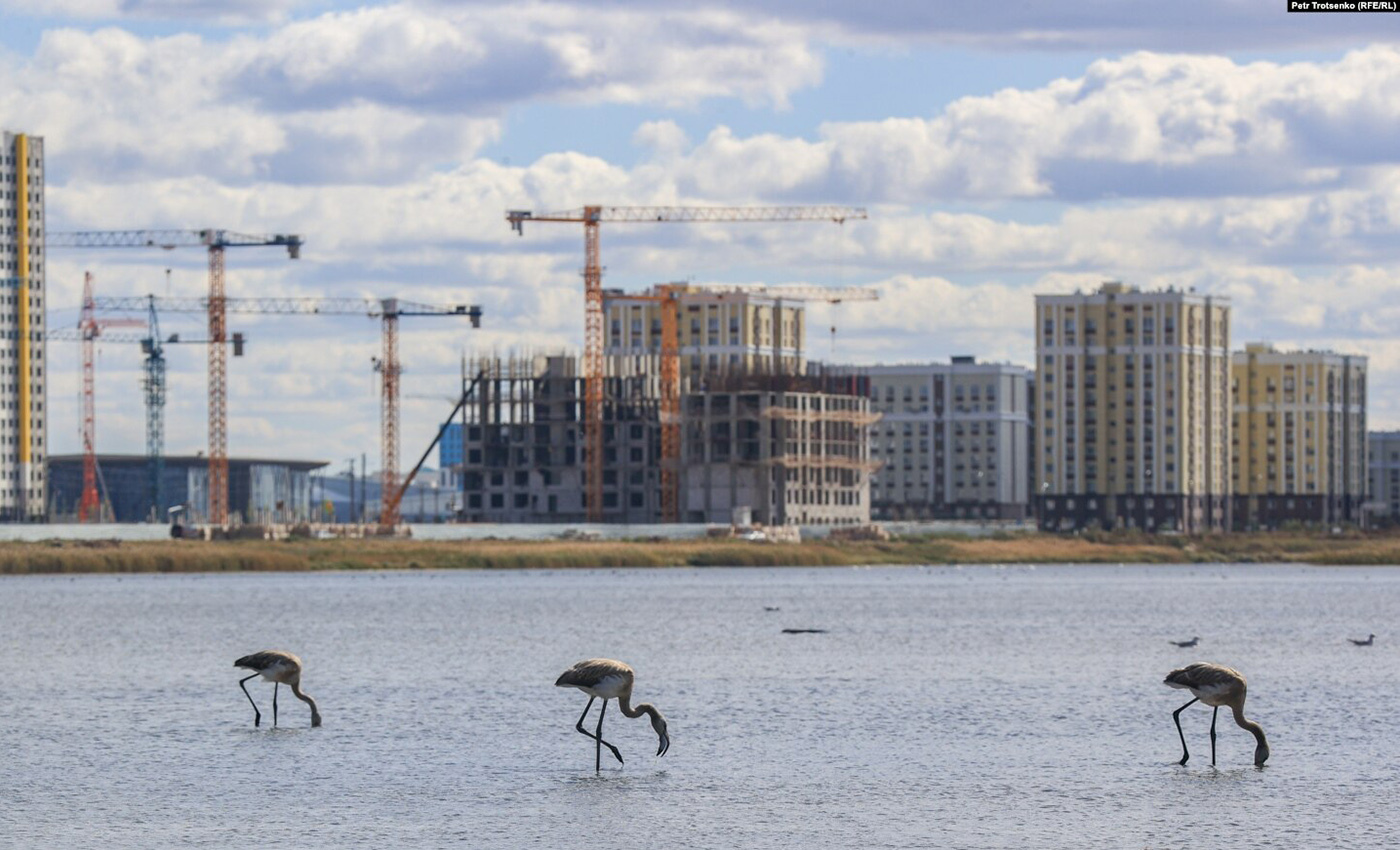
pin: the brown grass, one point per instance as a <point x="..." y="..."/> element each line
<point x="251" y="555"/>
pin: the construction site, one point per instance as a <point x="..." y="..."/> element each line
<point x="756" y="447"/>
<point x="688" y="404"/>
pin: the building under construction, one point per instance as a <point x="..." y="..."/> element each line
<point x="781" y="448"/>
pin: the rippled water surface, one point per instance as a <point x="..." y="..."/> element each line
<point x="945" y="707"/>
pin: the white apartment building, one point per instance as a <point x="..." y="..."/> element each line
<point x="1383" y="486"/>
<point x="952" y="440"/>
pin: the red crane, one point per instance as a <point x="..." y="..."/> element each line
<point x="89" y="329"/>
<point x="593" y="372"/>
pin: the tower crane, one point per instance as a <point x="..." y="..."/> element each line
<point x="668" y="295"/>
<point x="216" y="241"/>
<point x="90" y="330"/>
<point x="593" y="216"/>
<point x="388" y="310"/>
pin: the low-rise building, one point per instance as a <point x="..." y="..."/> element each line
<point x="259" y="490"/>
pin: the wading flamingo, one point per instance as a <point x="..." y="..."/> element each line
<point x="280" y="668"/>
<point x="1215" y="685"/>
<point x="605" y="679"/>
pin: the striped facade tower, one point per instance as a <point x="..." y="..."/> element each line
<point x="1133" y="410"/>
<point x="23" y="422"/>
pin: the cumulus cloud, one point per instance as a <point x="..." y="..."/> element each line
<point x="1145" y="125"/>
<point x="378" y="94"/>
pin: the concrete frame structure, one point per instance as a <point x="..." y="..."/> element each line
<point x="1133" y="416"/>
<point x="23" y="416"/>
<point x="953" y="440"/>
<point x="786" y="449"/>
<point x="1299" y="437"/>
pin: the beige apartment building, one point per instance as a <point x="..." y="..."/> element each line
<point x="952" y="441"/>
<point x="719" y="331"/>
<point x="1132" y="410"/>
<point x="23" y="420"/>
<point x="1299" y="437"/>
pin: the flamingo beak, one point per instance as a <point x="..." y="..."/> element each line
<point x="664" y="744"/>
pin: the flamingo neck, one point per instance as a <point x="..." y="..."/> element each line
<point x="624" y="703"/>
<point x="1261" y="751"/>
<point x="306" y="698"/>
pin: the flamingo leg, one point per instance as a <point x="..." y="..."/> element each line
<point x="598" y="742"/>
<point x="275" y="686"/>
<point x="599" y="737"/>
<point x="1213" y="715"/>
<point x="1176" y="716"/>
<point x="257" y="715"/>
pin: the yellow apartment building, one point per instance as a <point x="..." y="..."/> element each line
<point x="23" y="421"/>
<point x="1299" y="437"/>
<point x="1132" y="407"/>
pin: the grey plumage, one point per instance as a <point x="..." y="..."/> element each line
<point x="604" y="678"/>
<point x="591" y="673"/>
<point x="281" y="668"/>
<point x="1216" y="685"/>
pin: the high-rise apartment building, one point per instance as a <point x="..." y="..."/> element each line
<point x="1133" y="410"/>
<point x="718" y="331"/>
<point x="1383" y="490"/>
<point x="952" y="440"/>
<point x="1299" y="437"/>
<point x="23" y="434"/>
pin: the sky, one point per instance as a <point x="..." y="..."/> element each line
<point x="1001" y="150"/>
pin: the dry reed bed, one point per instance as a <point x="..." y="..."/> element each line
<point x="255" y="555"/>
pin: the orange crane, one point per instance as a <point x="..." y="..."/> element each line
<point x="389" y="310"/>
<point x="593" y="372"/>
<point x="216" y="241"/>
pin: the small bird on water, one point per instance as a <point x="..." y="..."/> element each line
<point x="603" y="678"/>
<point x="1215" y="685"/>
<point x="1186" y="644"/>
<point x="280" y="668"/>
<point x="1367" y="642"/>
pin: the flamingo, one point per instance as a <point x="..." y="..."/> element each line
<point x="1186" y="644"/>
<point x="607" y="679"/>
<point x="280" y="668"/>
<point x="1215" y="685"/>
<point x="1367" y="642"/>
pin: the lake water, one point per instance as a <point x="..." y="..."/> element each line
<point x="945" y="707"/>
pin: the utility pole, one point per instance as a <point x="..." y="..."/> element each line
<point x="351" y="513"/>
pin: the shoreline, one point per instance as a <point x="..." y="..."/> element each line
<point x="55" y="557"/>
